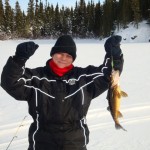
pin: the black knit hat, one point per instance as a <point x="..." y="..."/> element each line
<point x="65" y="44"/>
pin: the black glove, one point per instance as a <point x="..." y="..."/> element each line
<point x="112" y="46"/>
<point x="118" y="64"/>
<point x="25" y="50"/>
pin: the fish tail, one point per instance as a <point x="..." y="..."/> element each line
<point x="118" y="126"/>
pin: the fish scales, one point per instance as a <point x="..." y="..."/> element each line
<point x="114" y="99"/>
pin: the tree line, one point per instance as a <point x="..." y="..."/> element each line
<point x="84" y="20"/>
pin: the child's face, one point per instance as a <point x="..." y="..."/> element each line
<point x="62" y="60"/>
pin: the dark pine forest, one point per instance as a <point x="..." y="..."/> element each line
<point x="83" y="20"/>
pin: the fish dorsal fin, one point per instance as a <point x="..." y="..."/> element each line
<point x="124" y="94"/>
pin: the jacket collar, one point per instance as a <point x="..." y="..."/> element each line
<point x="49" y="71"/>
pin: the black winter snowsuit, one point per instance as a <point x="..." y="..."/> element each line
<point x="58" y="105"/>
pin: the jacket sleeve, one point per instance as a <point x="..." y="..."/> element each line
<point x="99" y="79"/>
<point x="10" y="80"/>
<point x="102" y="81"/>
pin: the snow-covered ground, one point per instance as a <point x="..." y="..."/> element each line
<point x="132" y="34"/>
<point x="135" y="80"/>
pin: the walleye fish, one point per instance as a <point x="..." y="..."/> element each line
<point x="114" y="97"/>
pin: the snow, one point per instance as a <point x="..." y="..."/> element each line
<point x="135" y="80"/>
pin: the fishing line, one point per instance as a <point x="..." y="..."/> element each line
<point x="15" y="135"/>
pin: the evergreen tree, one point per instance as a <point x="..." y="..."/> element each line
<point x="98" y="21"/>
<point x="48" y="27"/>
<point x="82" y="19"/>
<point x="71" y="20"/>
<point x="19" y="26"/>
<point x="117" y="14"/>
<point x="75" y="21"/>
<point x="41" y="12"/>
<point x="57" y="22"/>
<point x="125" y="13"/>
<point x="8" y="18"/>
<point x="38" y="18"/>
<point x="41" y="15"/>
<point x="25" y="30"/>
<point x="136" y="11"/>
<point x="1" y="16"/>
<point x="30" y="11"/>
<point x="30" y="17"/>
<point x="145" y="8"/>
<point x="66" y="20"/>
<point x="108" y="17"/>
<point x="91" y="18"/>
<point x="148" y="10"/>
